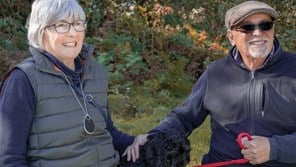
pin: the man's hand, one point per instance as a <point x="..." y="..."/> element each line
<point x="133" y="151"/>
<point x="257" y="150"/>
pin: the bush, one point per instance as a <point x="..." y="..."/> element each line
<point x="164" y="45"/>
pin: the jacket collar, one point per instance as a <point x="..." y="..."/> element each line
<point x="271" y="58"/>
<point x="43" y="64"/>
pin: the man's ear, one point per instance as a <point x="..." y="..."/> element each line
<point x="230" y="37"/>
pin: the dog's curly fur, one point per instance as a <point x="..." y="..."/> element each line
<point x="169" y="148"/>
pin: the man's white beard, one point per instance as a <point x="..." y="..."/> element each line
<point x="259" y="51"/>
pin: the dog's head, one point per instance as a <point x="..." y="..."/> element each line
<point x="169" y="148"/>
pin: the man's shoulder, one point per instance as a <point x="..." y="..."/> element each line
<point x="220" y="62"/>
<point x="287" y="57"/>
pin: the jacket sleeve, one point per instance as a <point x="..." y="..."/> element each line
<point x="191" y="113"/>
<point x="120" y="140"/>
<point x="282" y="148"/>
<point x="17" y="102"/>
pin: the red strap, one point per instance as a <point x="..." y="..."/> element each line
<point x="231" y="162"/>
<point x="224" y="163"/>
<point x="239" y="139"/>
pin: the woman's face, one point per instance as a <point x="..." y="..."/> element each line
<point x="64" y="45"/>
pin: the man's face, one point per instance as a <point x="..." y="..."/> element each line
<point x="257" y="43"/>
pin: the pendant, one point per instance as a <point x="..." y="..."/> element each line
<point x="88" y="125"/>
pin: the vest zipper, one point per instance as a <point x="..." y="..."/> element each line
<point x="251" y="100"/>
<point x="263" y="101"/>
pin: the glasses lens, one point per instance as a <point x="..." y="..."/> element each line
<point x="79" y="25"/>
<point x="265" y="26"/>
<point x="62" y="27"/>
<point x="248" y="28"/>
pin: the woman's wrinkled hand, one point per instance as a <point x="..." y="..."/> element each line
<point x="133" y="151"/>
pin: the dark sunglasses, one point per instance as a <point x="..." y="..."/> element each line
<point x="248" y="28"/>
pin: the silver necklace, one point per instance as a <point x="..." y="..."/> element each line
<point x="88" y="124"/>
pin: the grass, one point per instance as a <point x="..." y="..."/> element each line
<point x="199" y="139"/>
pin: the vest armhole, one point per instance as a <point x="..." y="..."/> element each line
<point x="27" y="70"/>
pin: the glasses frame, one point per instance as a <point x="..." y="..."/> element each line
<point x="250" y="27"/>
<point x="69" y="26"/>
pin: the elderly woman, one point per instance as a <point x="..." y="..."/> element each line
<point x="53" y="105"/>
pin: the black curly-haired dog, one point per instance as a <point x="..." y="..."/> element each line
<point x="169" y="148"/>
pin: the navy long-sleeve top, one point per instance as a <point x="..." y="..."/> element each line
<point x="17" y="107"/>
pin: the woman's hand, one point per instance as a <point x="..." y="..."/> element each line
<point x="133" y="151"/>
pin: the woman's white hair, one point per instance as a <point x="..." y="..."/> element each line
<point x="45" y="12"/>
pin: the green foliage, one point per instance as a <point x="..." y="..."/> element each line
<point x="94" y="15"/>
<point x="151" y="26"/>
<point x="12" y="25"/>
<point x="174" y="79"/>
<point x="124" y="60"/>
<point x="13" y="33"/>
<point x="286" y="25"/>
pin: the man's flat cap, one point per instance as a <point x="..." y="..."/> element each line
<point x="238" y="13"/>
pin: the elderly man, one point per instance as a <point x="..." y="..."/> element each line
<point x="251" y="90"/>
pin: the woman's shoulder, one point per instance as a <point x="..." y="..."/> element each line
<point x="15" y="76"/>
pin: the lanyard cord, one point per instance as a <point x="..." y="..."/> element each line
<point x="88" y="124"/>
<point x="84" y="109"/>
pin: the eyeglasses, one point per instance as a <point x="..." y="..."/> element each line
<point x="64" y="27"/>
<point x="248" y="28"/>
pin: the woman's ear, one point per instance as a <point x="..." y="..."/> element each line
<point x="230" y="37"/>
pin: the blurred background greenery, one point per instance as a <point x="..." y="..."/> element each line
<point x="154" y="51"/>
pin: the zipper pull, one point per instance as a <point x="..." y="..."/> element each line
<point x="262" y="113"/>
<point x="252" y="75"/>
<point x="263" y="101"/>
